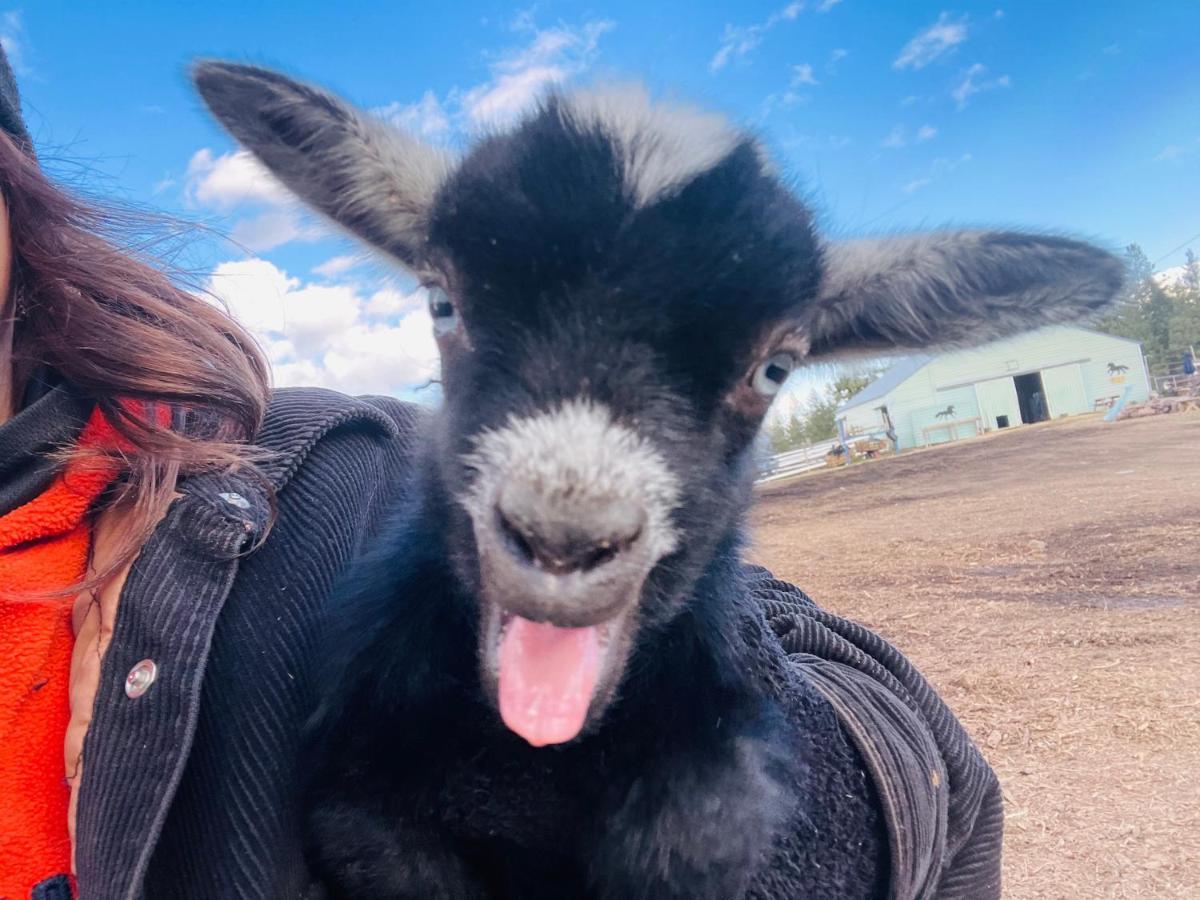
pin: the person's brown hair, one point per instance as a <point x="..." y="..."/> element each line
<point x="111" y="322"/>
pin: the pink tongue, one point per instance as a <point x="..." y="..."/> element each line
<point x="547" y="678"/>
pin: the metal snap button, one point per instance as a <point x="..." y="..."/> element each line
<point x="233" y="498"/>
<point x="139" y="679"/>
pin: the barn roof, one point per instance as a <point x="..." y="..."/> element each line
<point x="899" y="372"/>
<point x="1115" y="337"/>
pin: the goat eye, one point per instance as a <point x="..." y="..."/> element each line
<point x="771" y="374"/>
<point x="442" y="311"/>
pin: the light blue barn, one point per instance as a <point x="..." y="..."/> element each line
<point x="1044" y="374"/>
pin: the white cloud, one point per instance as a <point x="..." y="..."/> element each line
<point x="739" y="41"/>
<point x="736" y="42"/>
<point x="939" y="168"/>
<point x="274" y="228"/>
<point x="237" y="180"/>
<point x="835" y="57"/>
<point x="426" y="118"/>
<point x="898" y="137"/>
<point x="331" y="335"/>
<point x="272" y="304"/>
<point x="381" y="358"/>
<point x="935" y="41"/>
<point x="895" y="139"/>
<point x="803" y="74"/>
<point x="511" y="93"/>
<point x="1177" y="151"/>
<point x="816" y="142"/>
<point x="969" y="86"/>
<point x="786" y="99"/>
<point x="521" y="76"/>
<point x="337" y="265"/>
<point x="525" y="19"/>
<point x="12" y="38"/>
<point x="391" y="302"/>
<point x="232" y="179"/>
<point x="827" y="5"/>
<point x="164" y="183"/>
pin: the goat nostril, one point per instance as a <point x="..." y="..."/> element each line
<point x="598" y="557"/>
<point x="563" y="547"/>
<point x="516" y="541"/>
<point x="607" y="550"/>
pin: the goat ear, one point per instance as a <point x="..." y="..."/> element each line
<point x="366" y="176"/>
<point x="954" y="288"/>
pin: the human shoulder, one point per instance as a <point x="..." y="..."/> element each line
<point x="303" y="422"/>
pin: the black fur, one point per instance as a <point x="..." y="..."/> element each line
<point x="707" y="768"/>
<point x="685" y="786"/>
<point x="710" y="770"/>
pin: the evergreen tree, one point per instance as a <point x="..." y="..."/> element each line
<point x="1191" y="275"/>
<point x="1138" y="268"/>
<point x="1163" y="320"/>
<point x="1185" y="312"/>
<point x="815" y="420"/>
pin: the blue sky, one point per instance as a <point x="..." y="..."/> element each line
<point x="888" y="116"/>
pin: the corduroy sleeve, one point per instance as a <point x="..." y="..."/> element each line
<point x="941" y="799"/>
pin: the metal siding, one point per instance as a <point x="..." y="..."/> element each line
<point x="950" y="378"/>
<point x="1029" y="352"/>
<point x="920" y="413"/>
<point x="912" y="394"/>
<point x="1064" y="391"/>
<point x="864" y="417"/>
<point x="1098" y="383"/>
<point x="998" y="397"/>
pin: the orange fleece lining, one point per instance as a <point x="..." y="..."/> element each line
<point x="44" y="547"/>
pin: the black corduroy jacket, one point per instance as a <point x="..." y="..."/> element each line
<point x="190" y="790"/>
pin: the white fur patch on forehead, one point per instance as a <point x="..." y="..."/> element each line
<point x="571" y="455"/>
<point x="662" y="147"/>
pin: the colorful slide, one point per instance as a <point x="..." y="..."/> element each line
<point x="1116" y="408"/>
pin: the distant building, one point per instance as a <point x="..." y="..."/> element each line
<point x="1045" y="374"/>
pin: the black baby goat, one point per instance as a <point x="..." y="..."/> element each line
<point x="546" y="679"/>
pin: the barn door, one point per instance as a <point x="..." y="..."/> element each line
<point x="998" y="403"/>
<point x="1064" y="391"/>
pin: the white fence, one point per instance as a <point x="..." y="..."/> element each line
<point x="781" y="465"/>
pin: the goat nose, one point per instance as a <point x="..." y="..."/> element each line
<point x="564" y="538"/>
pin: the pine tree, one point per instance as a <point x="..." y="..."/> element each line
<point x="1158" y="310"/>
<point x="1185" y="314"/>
<point x="1145" y="311"/>
<point x="1191" y="273"/>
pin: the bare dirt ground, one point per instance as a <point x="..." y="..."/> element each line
<point x="1047" y="581"/>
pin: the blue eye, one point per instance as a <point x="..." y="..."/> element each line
<point x="771" y="374"/>
<point x="442" y="311"/>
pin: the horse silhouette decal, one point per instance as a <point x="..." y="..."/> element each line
<point x="946" y="413"/>
<point x="1114" y="369"/>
